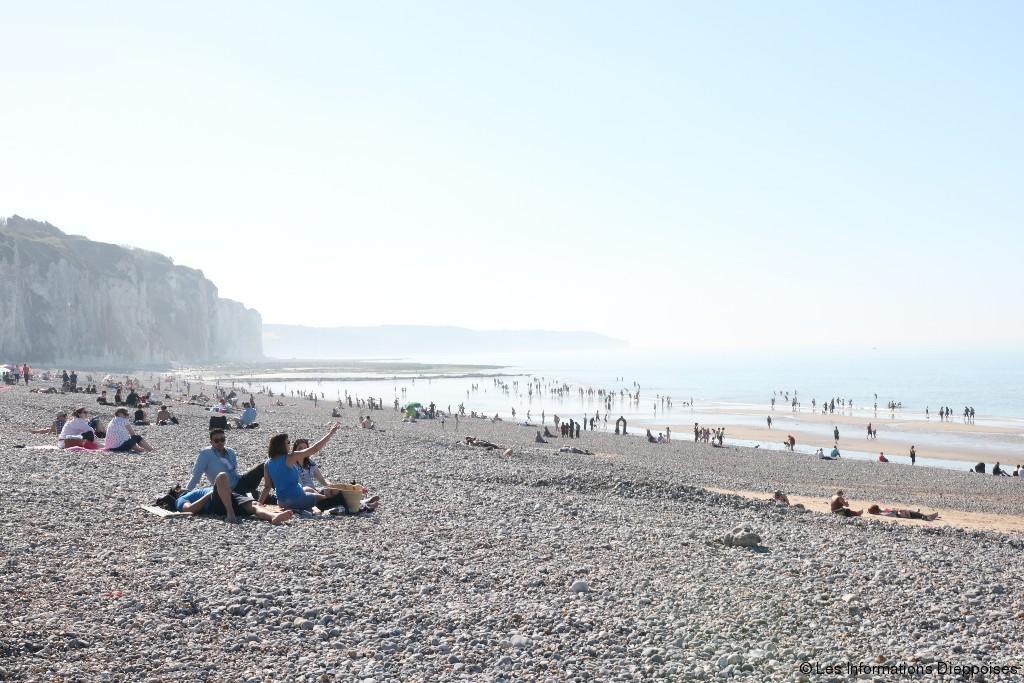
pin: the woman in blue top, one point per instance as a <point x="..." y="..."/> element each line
<point x="281" y="473"/>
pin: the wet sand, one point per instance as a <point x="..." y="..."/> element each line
<point x="980" y="449"/>
<point x="947" y="516"/>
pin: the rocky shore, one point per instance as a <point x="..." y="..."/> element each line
<point x="537" y="566"/>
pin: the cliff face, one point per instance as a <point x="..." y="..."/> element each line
<point x="66" y="299"/>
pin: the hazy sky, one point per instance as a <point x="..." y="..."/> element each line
<point x="707" y="175"/>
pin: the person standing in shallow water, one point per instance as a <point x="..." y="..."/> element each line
<point x="835" y="432"/>
<point x="769" y="422"/>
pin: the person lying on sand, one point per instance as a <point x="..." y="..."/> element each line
<point x="220" y="500"/>
<point x="574" y="449"/>
<point x="281" y="473"/>
<point x="903" y="513"/>
<point x="782" y="500"/>
<point x="55" y="427"/>
<point x="839" y="506"/>
<point x="480" y="443"/>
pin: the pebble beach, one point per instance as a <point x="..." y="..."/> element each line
<point x="537" y="566"/>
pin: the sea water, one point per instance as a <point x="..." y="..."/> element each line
<point x="725" y="389"/>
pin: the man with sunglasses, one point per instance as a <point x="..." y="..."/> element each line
<point x="217" y="459"/>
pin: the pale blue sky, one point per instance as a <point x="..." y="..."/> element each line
<point x="710" y="175"/>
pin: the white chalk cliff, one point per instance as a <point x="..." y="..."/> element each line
<point x="67" y="299"/>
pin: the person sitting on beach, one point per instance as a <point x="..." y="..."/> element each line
<point x="367" y="423"/>
<point x="55" y="427"/>
<point x="539" y="438"/>
<point x="650" y="437"/>
<point x="219" y="459"/>
<point x="117" y="397"/>
<point x="140" y="418"/>
<point x="335" y="412"/>
<point x="310" y="477"/>
<point x="999" y="471"/>
<point x="247" y="420"/>
<point x="1017" y="472"/>
<point x="548" y="434"/>
<point x="76" y="431"/>
<point x="835" y="453"/>
<point x="782" y="500"/>
<point x="102" y="398"/>
<point x="979" y="468"/>
<point x="882" y="458"/>
<point x="902" y="513"/>
<point x="132" y="399"/>
<point x="221" y="500"/>
<point x="164" y="417"/>
<point x="839" y="506"/>
<point x="121" y="438"/>
<point x="281" y="473"/>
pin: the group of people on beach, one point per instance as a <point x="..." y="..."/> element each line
<point x="288" y="479"/>
<point x="716" y="437"/>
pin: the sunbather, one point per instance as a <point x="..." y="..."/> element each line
<point x="782" y="500"/>
<point x="219" y="499"/>
<point x="248" y="418"/>
<point x="76" y="431"/>
<point x="164" y="417"/>
<point x="281" y="473"/>
<point x="548" y="434"/>
<point x="219" y="459"/>
<point x="903" y="513"/>
<point x="121" y="438"/>
<point x="839" y="506"/>
<point x="480" y="443"/>
<point x="539" y="438"/>
<point x="55" y="427"/>
<point x="574" y="449"/>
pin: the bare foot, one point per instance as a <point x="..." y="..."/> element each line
<point x="231" y="519"/>
<point x="282" y="517"/>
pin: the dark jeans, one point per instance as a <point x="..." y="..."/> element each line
<point x="127" y="445"/>
<point x="249" y="482"/>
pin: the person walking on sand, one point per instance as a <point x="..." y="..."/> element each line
<point x="769" y="422"/>
<point x="913" y="455"/>
<point x="835" y="432"/>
